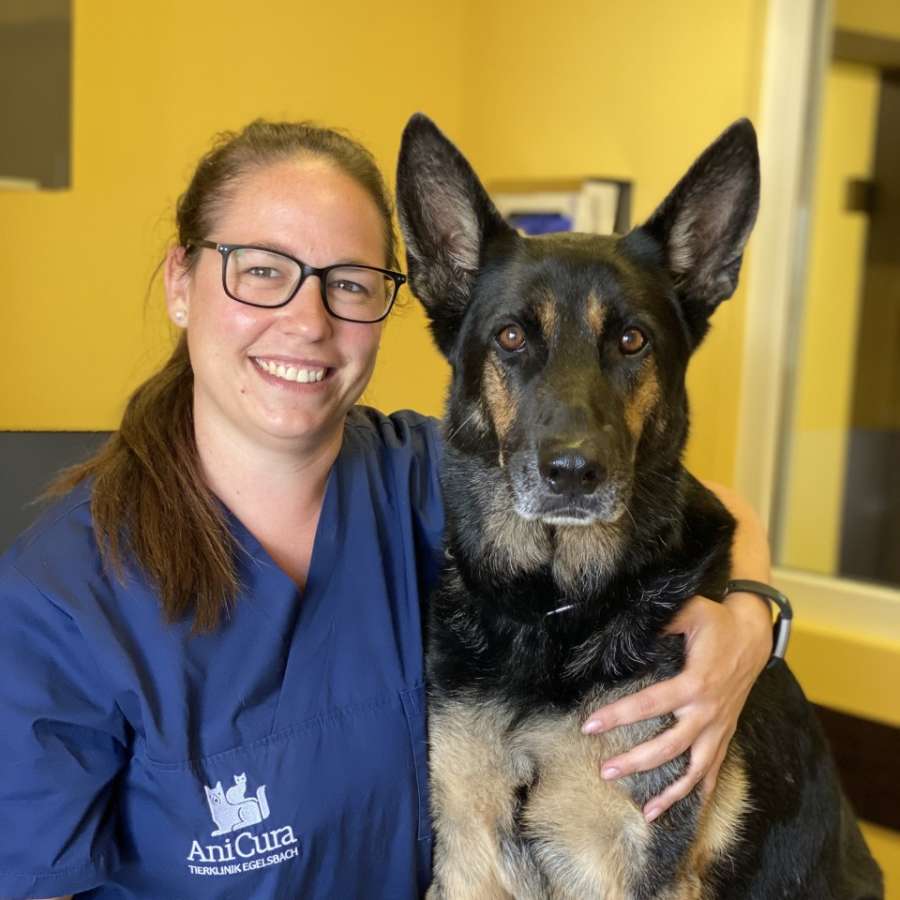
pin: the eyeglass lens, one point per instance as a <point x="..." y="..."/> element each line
<point x="268" y="279"/>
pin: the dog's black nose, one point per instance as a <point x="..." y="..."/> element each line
<point x="570" y="471"/>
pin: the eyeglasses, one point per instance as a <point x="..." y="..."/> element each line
<point x="269" y="279"/>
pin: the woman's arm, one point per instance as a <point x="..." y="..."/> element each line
<point x="727" y="645"/>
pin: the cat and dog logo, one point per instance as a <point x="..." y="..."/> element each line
<point x="233" y="811"/>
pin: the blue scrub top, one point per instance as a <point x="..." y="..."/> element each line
<point x="283" y="755"/>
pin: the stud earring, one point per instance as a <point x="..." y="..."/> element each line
<point x="179" y="315"/>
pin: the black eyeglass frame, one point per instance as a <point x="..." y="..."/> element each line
<point x="306" y="270"/>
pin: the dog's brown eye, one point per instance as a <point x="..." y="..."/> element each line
<point x="632" y="341"/>
<point x="511" y="338"/>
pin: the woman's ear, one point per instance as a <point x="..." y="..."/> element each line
<point x="177" y="279"/>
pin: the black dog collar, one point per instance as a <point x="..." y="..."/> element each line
<point x="781" y="630"/>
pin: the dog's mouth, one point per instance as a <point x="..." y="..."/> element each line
<point x="578" y="516"/>
<point x="569" y="514"/>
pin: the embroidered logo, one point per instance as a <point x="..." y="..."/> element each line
<point x="231" y="810"/>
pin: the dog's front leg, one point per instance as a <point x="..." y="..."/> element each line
<point x="475" y="782"/>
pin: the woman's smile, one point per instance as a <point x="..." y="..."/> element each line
<point x="292" y="372"/>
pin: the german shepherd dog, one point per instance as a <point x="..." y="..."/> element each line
<point x="574" y="535"/>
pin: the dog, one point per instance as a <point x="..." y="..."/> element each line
<point x="574" y="535"/>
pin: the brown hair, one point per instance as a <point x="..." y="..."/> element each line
<point x="148" y="495"/>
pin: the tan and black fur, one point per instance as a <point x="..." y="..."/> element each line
<point x="574" y="535"/>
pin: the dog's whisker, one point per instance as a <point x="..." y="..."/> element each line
<point x="452" y="434"/>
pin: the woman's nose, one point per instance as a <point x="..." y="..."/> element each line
<point x="306" y="313"/>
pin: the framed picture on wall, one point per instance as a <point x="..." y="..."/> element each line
<point x="593" y="205"/>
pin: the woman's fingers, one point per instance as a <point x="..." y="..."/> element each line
<point x="702" y="732"/>
<point x="712" y="776"/>
<point x="651" y="754"/>
<point x="706" y="760"/>
<point x="656" y="700"/>
<point x="673" y="793"/>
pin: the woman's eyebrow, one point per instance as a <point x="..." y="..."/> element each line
<point x="287" y="251"/>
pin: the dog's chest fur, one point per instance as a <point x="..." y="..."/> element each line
<point x="521" y="802"/>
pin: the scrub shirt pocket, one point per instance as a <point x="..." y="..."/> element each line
<point x="325" y="808"/>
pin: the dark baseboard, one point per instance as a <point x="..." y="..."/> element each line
<point x="868" y="757"/>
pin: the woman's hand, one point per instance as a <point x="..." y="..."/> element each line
<point x="726" y="647"/>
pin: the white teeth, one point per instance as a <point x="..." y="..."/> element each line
<point x="290" y="373"/>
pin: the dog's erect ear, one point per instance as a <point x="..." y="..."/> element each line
<point x="447" y="220"/>
<point x="705" y="221"/>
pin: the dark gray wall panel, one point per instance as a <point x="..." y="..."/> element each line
<point x="28" y="462"/>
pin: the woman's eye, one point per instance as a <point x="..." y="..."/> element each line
<point x="633" y="340"/>
<point x="350" y="287"/>
<point x="263" y="272"/>
<point x="511" y="338"/>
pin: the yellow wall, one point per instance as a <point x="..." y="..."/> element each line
<point x="634" y="90"/>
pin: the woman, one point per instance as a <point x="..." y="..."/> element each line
<point x="211" y="667"/>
